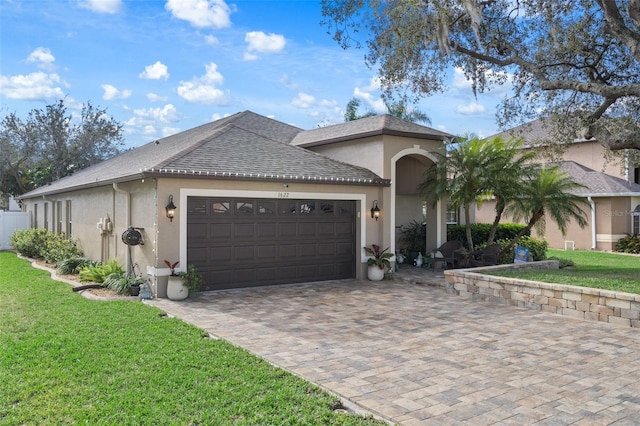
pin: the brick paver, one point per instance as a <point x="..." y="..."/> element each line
<point x="414" y="354"/>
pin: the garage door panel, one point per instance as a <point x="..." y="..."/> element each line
<point x="264" y="230"/>
<point x="287" y="230"/>
<point x="307" y="250"/>
<point x="345" y="229"/>
<point x="287" y="250"/>
<point x="220" y="230"/>
<point x="267" y="252"/>
<point x="220" y="254"/>
<point x="244" y="230"/>
<point x="327" y="249"/>
<point x="263" y="242"/>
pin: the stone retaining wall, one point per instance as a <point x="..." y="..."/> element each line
<point x="578" y="302"/>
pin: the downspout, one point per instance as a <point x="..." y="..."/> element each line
<point x="127" y="194"/>
<point x="593" y="222"/>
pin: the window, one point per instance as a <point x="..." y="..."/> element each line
<point x="68" y="217"/>
<point x="46" y="216"/>
<point x="244" y="207"/>
<point x="59" y="217"/>
<point x="221" y="207"/>
<point x="266" y="207"/>
<point x="452" y="215"/>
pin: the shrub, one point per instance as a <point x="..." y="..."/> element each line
<point x="29" y="242"/>
<point x="563" y="263"/>
<point x="537" y="249"/>
<point x="72" y="265"/>
<point x="58" y="248"/>
<point x="480" y="232"/>
<point x="38" y="243"/>
<point x="629" y="244"/>
<point x="99" y="271"/>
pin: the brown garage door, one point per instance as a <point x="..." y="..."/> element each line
<point x="252" y="242"/>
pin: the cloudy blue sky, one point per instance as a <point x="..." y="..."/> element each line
<point x="163" y="66"/>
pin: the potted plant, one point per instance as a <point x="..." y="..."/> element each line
<point x="175" y="285"/>
<point x="378" y="263"/>
<point x="181" y="284"/>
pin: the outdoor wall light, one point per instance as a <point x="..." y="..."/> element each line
<point x="171" y="208"/>
<point x="375" y="211"/>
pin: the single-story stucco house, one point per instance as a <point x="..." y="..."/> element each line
<point x="257" y="201"/>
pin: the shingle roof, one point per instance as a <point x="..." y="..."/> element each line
<point x="598" y="184"/>
<point x="365" y="127"/>
<point x="242" y="146"/>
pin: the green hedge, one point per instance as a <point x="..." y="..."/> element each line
<point x="480" y="232"/>
<point x="38" y="243"/>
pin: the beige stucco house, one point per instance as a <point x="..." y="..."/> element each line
<point x="612" y="191"/>
<point x="258" y="202"/>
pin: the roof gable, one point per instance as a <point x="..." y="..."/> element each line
<point x="598" y="183"/>
<point x="365" y="127"/>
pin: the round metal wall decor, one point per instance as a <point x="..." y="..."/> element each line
<point x="132" y="237"/>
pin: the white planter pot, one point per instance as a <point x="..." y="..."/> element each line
<point x="176" y="290"/>
<point x="374" y="273"/>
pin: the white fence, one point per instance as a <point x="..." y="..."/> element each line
<point x="11" y="222"/>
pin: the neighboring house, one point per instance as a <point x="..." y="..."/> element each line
<point x="258" y="202"/>
<point x="613" y="198"/>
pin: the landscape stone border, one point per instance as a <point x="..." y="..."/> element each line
<point x="578" y="302"/>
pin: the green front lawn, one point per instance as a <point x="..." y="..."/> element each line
<point x="65" y="359"/>
<point x="609" y="271"/>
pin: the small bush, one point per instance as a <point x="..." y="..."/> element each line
<point x="537" y="249"/>
<point x="98" y="272"/>
<point x="629" y="244"/>
<point x="30" y="242"/>
<point x="58" y="248"/>
<point x="563" y="263"/>
<point x="73" y="265"/>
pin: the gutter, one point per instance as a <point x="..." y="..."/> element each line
<point x="593" y="222"/>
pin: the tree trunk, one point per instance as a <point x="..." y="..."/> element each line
<point x="500" y="206"/>
<point x="467" y="224"/>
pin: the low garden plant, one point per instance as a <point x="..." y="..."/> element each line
<point x="65" y="359"/>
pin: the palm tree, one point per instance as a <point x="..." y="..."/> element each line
<point x="510" y="170"/>
<point x="465" y="174"/>
<point x="549" y="193"/>
<point x="397" y="109"/>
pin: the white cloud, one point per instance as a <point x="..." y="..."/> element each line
<point x="460" y="80"/>
<point x="257" y="41"/>
<point x="204" y="89"/>
<point x="156" y="71"/>
<point x="168" y="131"/>
<point x="217" y="116"/>
<point x="201" y="13"/>
<point x="101" y="6"/>
<point x="111" y="92"/>
<point x="377" y="105"/>
<point x="149" y="130"/>
<point x="43" y="57"/>
<point x="211" y="40"/>
<point x="303" y="100"/>
<point x="156" y="98"/>
<point x="470" y="109"/>
<point x="34" y="86"/>
<point x="150" y="116"/>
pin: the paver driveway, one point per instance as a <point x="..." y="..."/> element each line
<point x="416" y="355"/>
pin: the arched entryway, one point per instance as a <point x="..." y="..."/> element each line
<point x="408" y="205"/>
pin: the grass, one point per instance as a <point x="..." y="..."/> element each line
<point x="65" y="359"/>
<point x="608" y="271"/>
